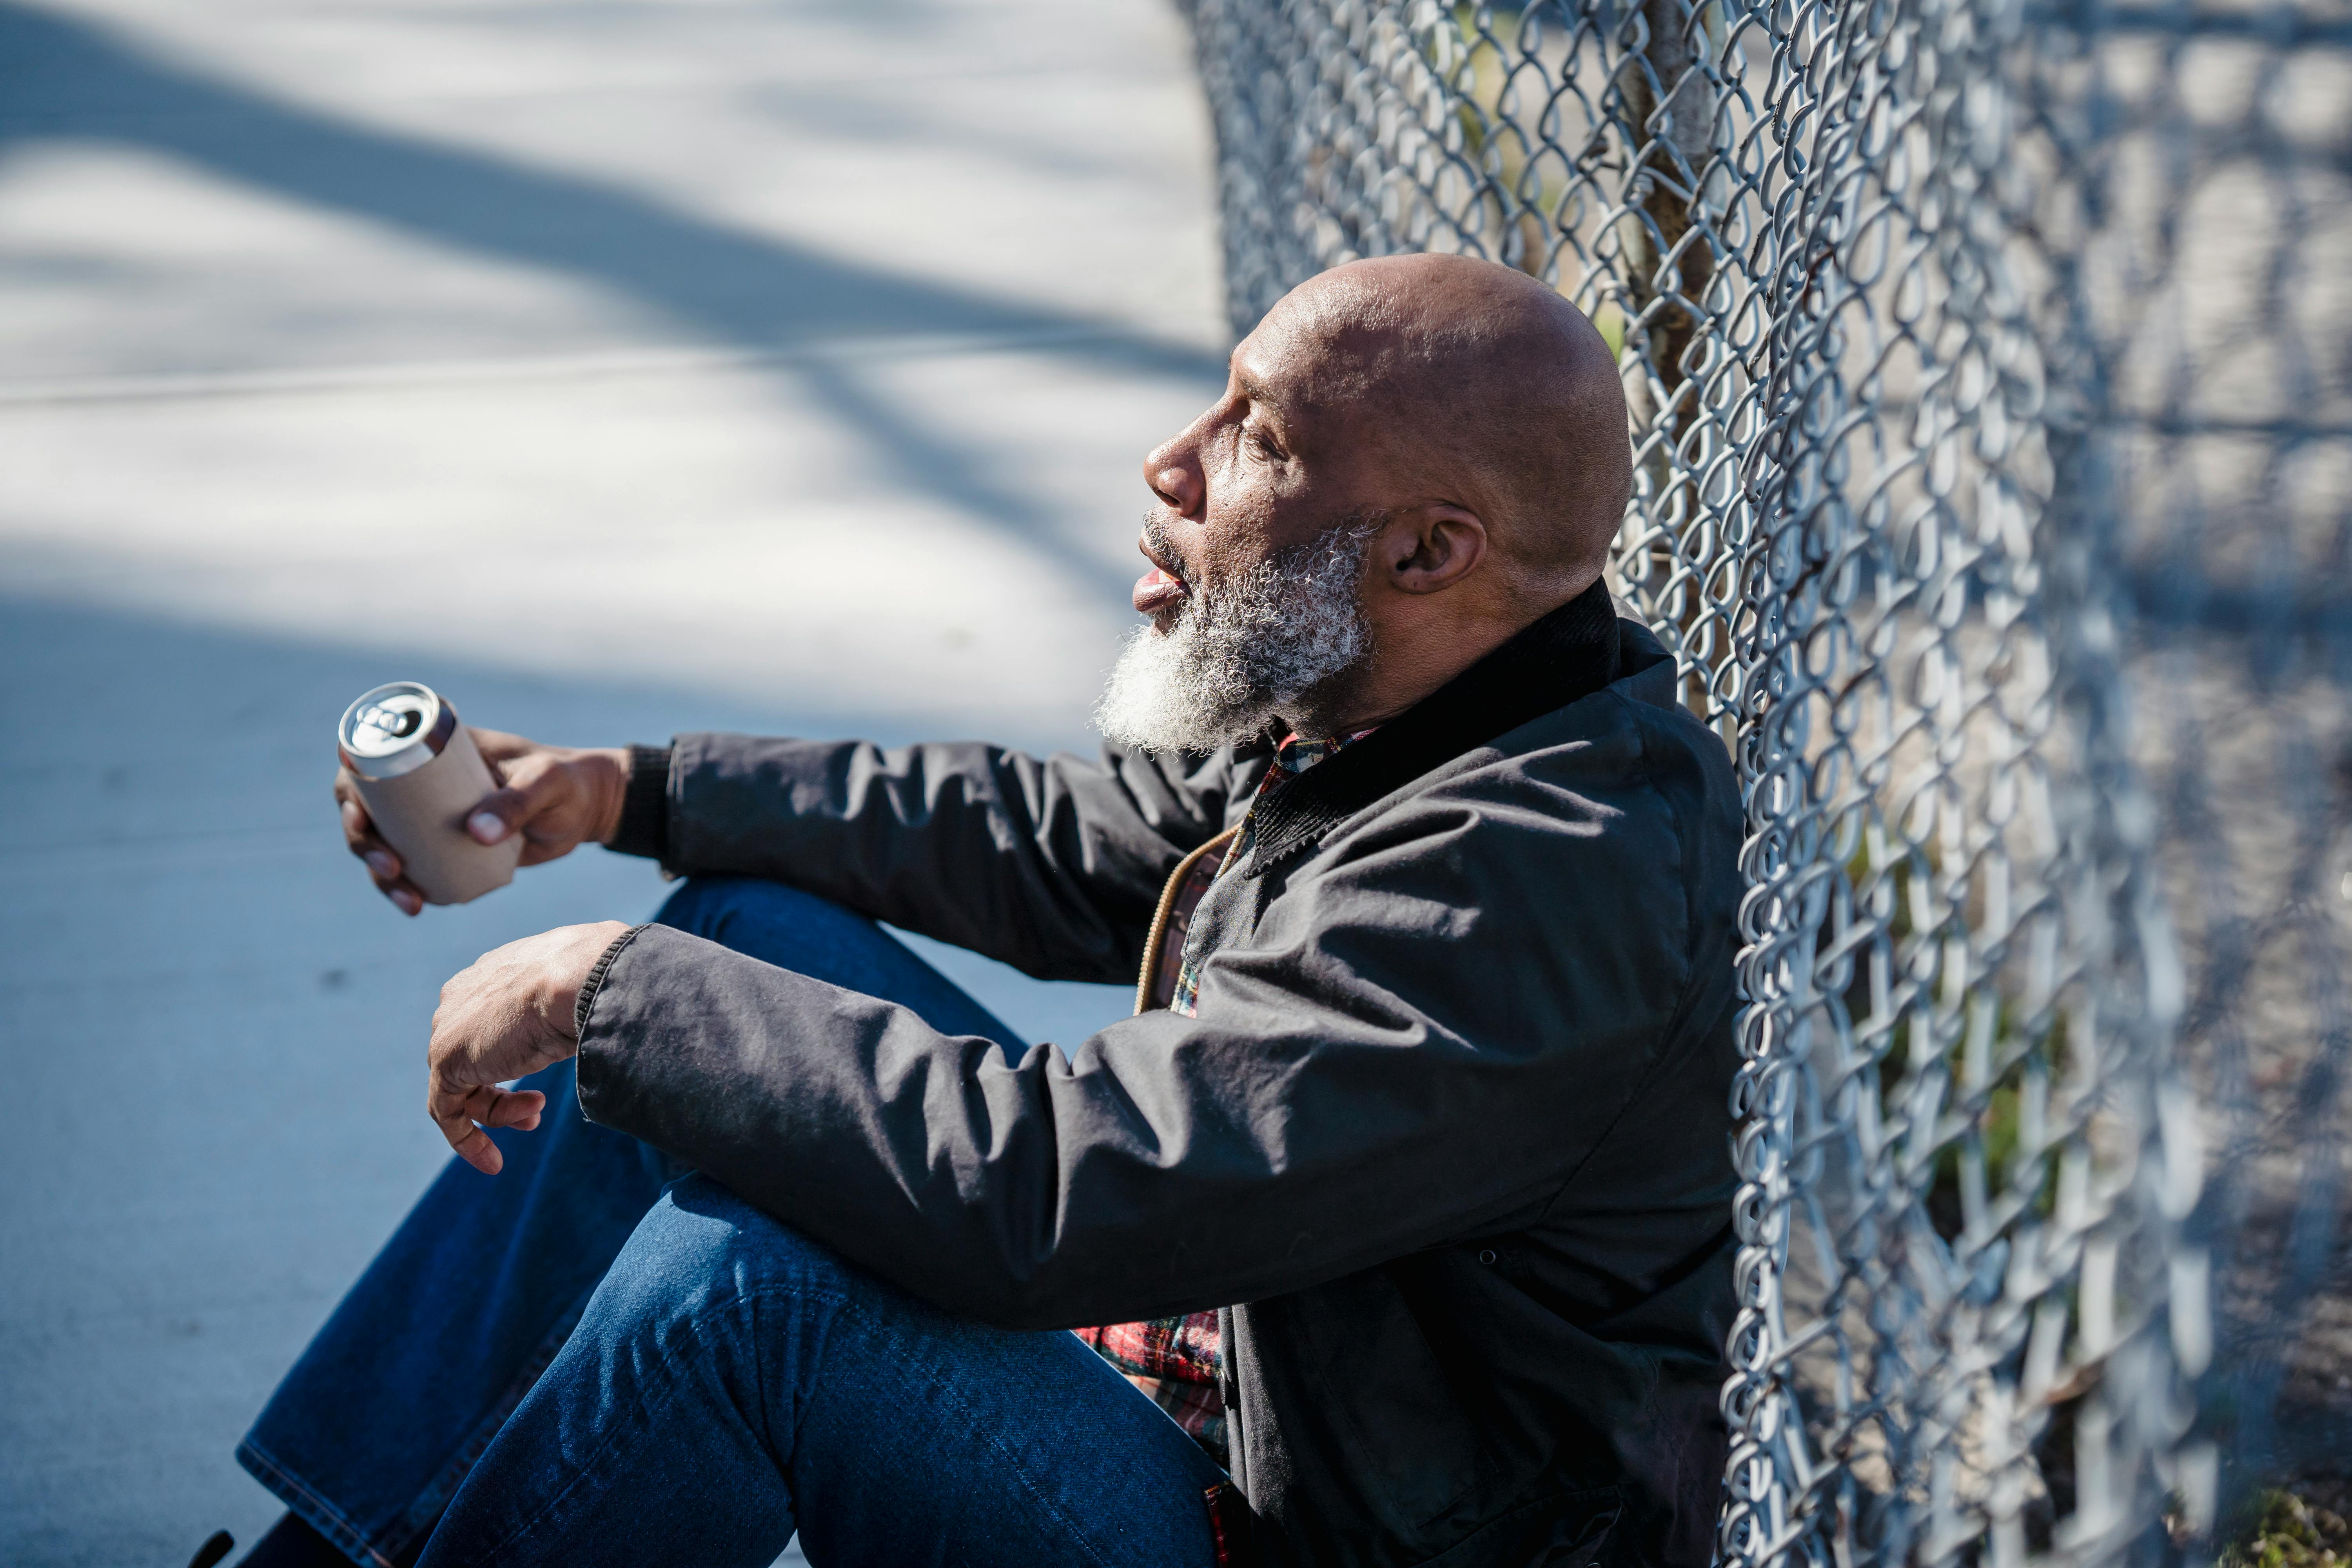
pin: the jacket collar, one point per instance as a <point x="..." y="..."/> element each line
<point x="1570" y="653"/>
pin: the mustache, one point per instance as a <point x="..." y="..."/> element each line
<point x="1155" y="535"/>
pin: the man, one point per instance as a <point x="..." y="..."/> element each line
<point x="1404" y="1194"/>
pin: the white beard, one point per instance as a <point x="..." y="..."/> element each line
<point x="1236" y="657"/>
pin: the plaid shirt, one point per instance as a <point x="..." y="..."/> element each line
<point x="1174" y="1360"/>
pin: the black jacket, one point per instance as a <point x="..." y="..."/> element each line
<point x="1446" y="1140"/>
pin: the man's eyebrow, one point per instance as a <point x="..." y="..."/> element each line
<point x="1255" y="389"/>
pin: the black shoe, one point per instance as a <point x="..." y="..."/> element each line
<point x="221" y="1545"/>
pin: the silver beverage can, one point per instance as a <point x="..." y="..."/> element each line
<point x="420" y="775"/>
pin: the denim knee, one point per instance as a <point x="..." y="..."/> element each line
<point x="700" y="1248"/>
<point x="703" y="906"/>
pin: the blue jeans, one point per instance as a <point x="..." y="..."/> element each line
<point x="595" y="1356"/>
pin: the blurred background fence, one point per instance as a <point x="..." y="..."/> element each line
<point x="1991" y="387"/>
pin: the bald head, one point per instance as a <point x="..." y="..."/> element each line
<point x="1412" y="460"/>
<point x="1488" y="384"/>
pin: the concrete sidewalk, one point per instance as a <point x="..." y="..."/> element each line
<point x="618" y="369"/>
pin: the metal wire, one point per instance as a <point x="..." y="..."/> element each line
<point x="1992" y="399"/>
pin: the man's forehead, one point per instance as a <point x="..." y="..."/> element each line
<point x="1321" y="347"/>
<point x="1284" y="368"/>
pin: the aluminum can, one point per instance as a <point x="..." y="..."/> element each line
<point x="420" y="776"/>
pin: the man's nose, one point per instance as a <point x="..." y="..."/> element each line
<point x="1174" y="475"/>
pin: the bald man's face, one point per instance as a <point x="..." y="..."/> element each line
<point x="1272" y="465"/>
<point x="1412" y="458"/>
<point x="1256" y="590"/>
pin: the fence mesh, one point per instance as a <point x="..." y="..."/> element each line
<point x="1991" y="391"/>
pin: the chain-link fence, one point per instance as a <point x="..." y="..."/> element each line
<point x="1991" y="387"/>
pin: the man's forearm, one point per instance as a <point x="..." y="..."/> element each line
<point x="1052" y="866"/>
<point x="1164" y="1168"/>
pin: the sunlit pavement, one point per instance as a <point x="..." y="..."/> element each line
<point x="619" y="370"/>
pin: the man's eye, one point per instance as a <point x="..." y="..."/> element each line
<point x="1265" y="447"/>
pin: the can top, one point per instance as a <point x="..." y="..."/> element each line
<point x="395" y="729"/>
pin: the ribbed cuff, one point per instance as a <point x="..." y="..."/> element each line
<point x="596" y="982"/>
<point x="645" y="806"/>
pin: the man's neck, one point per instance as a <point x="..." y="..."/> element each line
<point x="1408" y="663"/>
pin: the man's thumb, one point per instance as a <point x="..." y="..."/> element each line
<point x="499" y="813"/>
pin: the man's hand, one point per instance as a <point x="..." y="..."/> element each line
<point x="557" y="798"/>
<point x="510" y="1014"/>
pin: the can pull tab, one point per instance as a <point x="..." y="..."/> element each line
<point x="392" y="723"/>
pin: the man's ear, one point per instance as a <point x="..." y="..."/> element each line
<point x="1430" y="548"/>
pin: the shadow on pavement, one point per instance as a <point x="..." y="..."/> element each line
<point x="62" y="78"/>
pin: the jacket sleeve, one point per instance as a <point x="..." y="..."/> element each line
<point x="1052" y="866"/>
<point x="1416" y="1043"/>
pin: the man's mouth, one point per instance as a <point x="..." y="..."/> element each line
<point x="1159" y="589"/>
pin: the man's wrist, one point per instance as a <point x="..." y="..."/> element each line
<point x="583" y="1001"/>
<point x="640" y="824"/>
<point x="608" y="768"/>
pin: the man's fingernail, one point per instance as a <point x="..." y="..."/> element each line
<point x="487" y="826"/>
<point x="381" y="863"/>
<point x="408" y="903"/>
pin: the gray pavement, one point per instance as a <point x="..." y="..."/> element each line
<point x="618" y="370"/>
